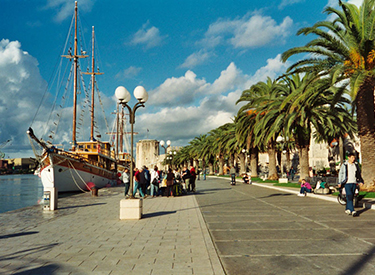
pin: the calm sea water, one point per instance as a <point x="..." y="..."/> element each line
<point x="18" y="191"/>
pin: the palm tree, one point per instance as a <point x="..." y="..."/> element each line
<point x="258" y="98"/>
<point x="245" y="121"/>
<point x="346" y="46"/>
<point x="313" y="103"/>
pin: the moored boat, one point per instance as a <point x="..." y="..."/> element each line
<point x="86" y="164"/>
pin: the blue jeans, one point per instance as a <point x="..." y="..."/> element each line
<point x="350" y="191"/>
<point x="305" y="189"/>
<point x="137" y="186"/>
<point x="233" y="178"/>
<point x="127" y="186"/>
<point x="154" y="190"/>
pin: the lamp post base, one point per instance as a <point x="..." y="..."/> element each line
<point x="131" y="209"/>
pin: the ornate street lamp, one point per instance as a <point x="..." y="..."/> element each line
<point x="162" y="143"/>
<point x="124" y="97"/>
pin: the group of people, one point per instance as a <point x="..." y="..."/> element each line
<point x="168" y="183"/>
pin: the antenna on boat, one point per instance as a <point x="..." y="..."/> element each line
<point x="92" y="73"/>
<point x="75" y="58"/>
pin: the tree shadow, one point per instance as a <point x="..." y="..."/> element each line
<point x="18" y="234"/>
<point x="46" y="269"/>
<point x="20" y="254"/>
<point x="360" y="263"/>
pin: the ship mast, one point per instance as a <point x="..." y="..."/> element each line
<point x="75" y="58"/>
<point x="92" y="73"/>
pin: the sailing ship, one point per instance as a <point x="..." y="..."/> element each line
<point x="87" y="164"/>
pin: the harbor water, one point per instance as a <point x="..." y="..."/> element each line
<point x="19" y="191"/>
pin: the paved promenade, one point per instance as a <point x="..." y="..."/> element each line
<point x="242" y="229"/>
<point x="85" y="236"/>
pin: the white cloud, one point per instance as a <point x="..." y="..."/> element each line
<point x="285" y="3"/>
<point x="229" y="79"/>
<point x="199" y="106"/>
<point x="251" y="31"/>
<point x="274" y="68"/>
<point x="150" y="37"/>
<point x="21" y="90"/>
<point x="179" y="109"/>
<point x="196" y="58"/>
<point x="178" y="91"/>
<point x="128" y="73"/>
<point x="65" y="8"/>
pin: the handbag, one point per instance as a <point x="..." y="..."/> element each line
<point x="164" y="183"/>
<point x="155" y="181"/>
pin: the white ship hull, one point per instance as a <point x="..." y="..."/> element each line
<point x="68" y="174"/>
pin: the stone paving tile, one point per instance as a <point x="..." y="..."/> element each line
<point x="85" y="236"/>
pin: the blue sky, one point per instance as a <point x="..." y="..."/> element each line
<point x="193" y="57"/>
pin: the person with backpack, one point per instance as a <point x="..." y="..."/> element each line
<point x="349" y="178"/>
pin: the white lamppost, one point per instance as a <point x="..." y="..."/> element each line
<point x="124" y="96"/>
<point x="162" y="143"/>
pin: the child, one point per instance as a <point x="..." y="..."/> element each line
<point x="305" y="188"/>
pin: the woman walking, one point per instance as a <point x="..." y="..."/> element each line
<point x="170" y="178"/>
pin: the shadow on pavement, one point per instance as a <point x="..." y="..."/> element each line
<point x="18" y="234"/>
<point x="276" y="195"/>
<point x="46" y="269"/>
<point x="84" y="205"/>
<point x="359" y="264"/>
<point x="29" y="251"/>
<point x="156" y="214"/>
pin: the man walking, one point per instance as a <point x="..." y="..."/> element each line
<point x="232" y="172"/>
<point x="349" y="178"/>
<point x="125" y="177"/>
<point x="193" y="176"/>
<point x="186" y="178"/>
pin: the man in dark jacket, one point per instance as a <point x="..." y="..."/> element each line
<point x="143" y="180"/>
<point x="186" y="178"/>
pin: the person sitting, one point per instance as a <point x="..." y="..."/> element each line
<point x="246" y="179"/>
<point x="305" y="188"/>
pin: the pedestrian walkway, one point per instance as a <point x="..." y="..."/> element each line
<point x="85" y="236"/>
<point x="258" y="230"/>
<point x="242" y="229"/>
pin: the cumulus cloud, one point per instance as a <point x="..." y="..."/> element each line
<point x="251" y="31"/>
<point x="178" y="90"/>
<point x="150" y="37"/>
<point x="207" y="105"/>
<point x="179" y="109"/>
<point x="21" y="89"/>
<point x="273" y="69"/>
<point x="196" y="58"/>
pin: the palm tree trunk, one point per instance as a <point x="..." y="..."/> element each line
<point x="221" y="165"/>
<point x="341" y="150"/>
<point x="242" y="157"/>
<point x="272" y="162"/>
<point x="304" y="161"/>
<point x="254" y="162"/>
<point x="288" y="163"/>
<point x="366" y="131"/>
<point x="211" y="168"/>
